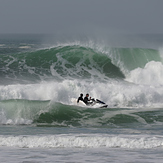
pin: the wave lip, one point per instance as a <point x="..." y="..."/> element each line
<point x="82" y="141"/>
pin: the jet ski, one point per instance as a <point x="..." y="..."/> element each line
<point x="97" y="103"/>
<point x="92" y="103"/>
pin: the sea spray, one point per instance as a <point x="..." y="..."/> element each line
<point x="151" y="74"/>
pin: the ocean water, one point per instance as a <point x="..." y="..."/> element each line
<point x="39" y="77"/>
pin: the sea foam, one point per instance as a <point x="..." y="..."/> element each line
<point x="82" y="141"/>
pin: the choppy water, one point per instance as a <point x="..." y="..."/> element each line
<point x="40" y="123"/>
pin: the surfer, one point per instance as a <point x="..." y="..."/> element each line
<point x="80" y="98"/>
<point x="86" y="100"/>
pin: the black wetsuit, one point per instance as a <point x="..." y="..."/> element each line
<point x="86" y="100"/>
<point x="80" y="99"/>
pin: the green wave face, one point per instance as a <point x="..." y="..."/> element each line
<point x="65" y="115"/>
<point x="74" y="62"/>
<point x="70" y="62"/>
<point x="128" y="59"/>
<point x="48" y="113"/>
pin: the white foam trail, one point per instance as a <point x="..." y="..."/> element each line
<point x="83" y="141"/>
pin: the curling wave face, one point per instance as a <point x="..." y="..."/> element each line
<point x="59" y="63"/>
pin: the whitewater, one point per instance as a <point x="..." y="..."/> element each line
<point x="40" y="123"/>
